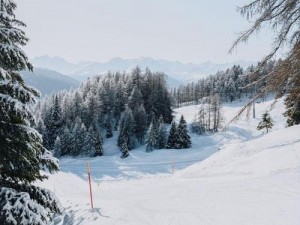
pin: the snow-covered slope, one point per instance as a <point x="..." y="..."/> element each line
<point x="253" y="179"/>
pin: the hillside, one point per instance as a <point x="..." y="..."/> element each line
<point x="48" y="81"/>
<point x="238" y="176"/>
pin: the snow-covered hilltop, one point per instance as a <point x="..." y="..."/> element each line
<point x="252" y="179"/>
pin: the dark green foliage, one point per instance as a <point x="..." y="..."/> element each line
<point x="21" y="149"/>
<point x="124" y="150"/>
<point x="22" y="154"/>
<point x="108" y="126"/>
<point x="126" y="129"/>
<point x="67" y="142"/>
<point x="184" y="138"/>
<point x="96" y="141"/>
<point x="53" y="122"/>
<point x="173" y="137"/>
<point x="161" y="137"/>
<point x="266" y="122"/>
<point x="178" y="136"/>
<point x="140" y="118"/>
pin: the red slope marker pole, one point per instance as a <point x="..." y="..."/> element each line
<point x="89" y="174"/>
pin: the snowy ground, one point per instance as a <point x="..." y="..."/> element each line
<point x="253" y="179"/>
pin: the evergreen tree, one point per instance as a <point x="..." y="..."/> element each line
<point x="96" y="140"/>
<point x="151" y="141"/>
<point x="182" y="131"/>
<point x="266" y="122"/>
<point x="124" y="150"/>
<point x="140" y="118"/>
<point x="293" y="107"/>
<point x="22" y="155"/>
<point x="108" y="126"/>
<point x="135" y="99"/>
<point x="41" y="128"/>
<point x="55" y="122"/>
<point x="88" y="148"/>
<point x="67" y="142"/>
<point x="161" y="137"/>
<point x="57" y="147"/>
<point x="126" y="129"/>
<point x="76" y="133"/>
<point x="81" y="138"/>
<point x="173" y="137"/>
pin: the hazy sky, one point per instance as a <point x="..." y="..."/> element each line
<point x="98" y="30"/>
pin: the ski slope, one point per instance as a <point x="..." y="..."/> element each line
<point x="253" y="179"/>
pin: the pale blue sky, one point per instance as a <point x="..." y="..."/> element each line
<point x="98" y="30"/>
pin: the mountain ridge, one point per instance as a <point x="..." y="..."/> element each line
<point x="48" y="81"/>
<point x="177" y="71"/>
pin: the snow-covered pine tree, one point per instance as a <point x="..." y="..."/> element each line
<point x="124" y="150"/>
<point x="81" y="138"/>
<point x="135" y="99"/>
<point x="161" y="138"/>
<point x="292" y="101"/>
<point x="173" y="137"/>
<point x="266" y="122"/>
<point x="22" y="154"/>
<point x="182" y="131"/>
<point x="67" y="142"/>
<point x="75" y="146"/>
<point x="126" y="129"/>
<point x="54" y="122"/>
<point x="96" y="140"/>
<point x="57" y="147"/>
<point x="140" y="118"/>
<point x="41" y="128"/>
<point x="151" y="139"/>
<point x="108" y="126"/>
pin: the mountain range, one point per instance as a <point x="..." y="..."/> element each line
<point x="176" y="72"/>
<point x="48" y="81"/>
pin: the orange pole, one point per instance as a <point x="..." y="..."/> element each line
<point x="89" y="174"/>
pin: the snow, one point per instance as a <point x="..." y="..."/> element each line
<point x="253" y="179"/>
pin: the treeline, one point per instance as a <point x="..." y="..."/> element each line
<point x="230" y="85"/>
<point x="76" y="122"/>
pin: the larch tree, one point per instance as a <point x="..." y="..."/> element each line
<point x="283" y="16"/>
<point x="22" y="155"/>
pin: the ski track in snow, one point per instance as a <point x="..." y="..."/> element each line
<point x="253" y="180"/>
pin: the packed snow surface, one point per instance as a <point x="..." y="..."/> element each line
<point x="239" y="176"/>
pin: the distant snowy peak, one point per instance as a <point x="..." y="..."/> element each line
<point x="54" y="63"/>
<point x="177" y="71"/>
